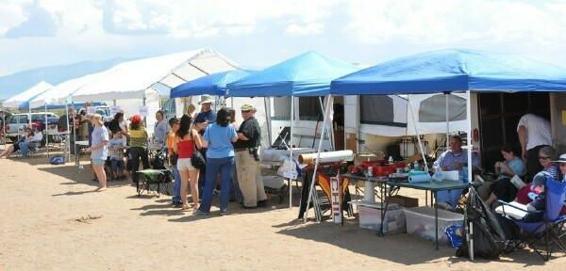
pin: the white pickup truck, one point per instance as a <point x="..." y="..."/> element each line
<point x="17" y="122"/>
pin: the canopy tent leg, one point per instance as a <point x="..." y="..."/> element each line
<point x="329" y="126"/>
<point x="418" y="135"/>
<point x="67" y="135"/>
<point x="291" y="150"/>
<point x="4" y="125"/>
<point x="329" y="100"/>
<point x="470" y="167"/>
<point x="447" y="118"/>
<point x="267" y="105"/>
<point x="46" y="130"/>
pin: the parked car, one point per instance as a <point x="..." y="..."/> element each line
<point x="16" y="123"/>
<point x="103" y="110"/>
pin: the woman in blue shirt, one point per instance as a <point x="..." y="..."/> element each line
<point x="503" y="189"/>
<point x="218" y="139"/>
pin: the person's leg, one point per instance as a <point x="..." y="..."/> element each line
<point x="176" y="185"/>
<point x="246" y="179"/>
<point x="24" y="148"/>
<point x="114" y="167"/>
<point x="98" y="167"/>
<point x="184" y="173"/>
<point x="212" y="167"/>
<point x="226" y="171"/>
<point x="134" y="160"/>
<point x="533" y="164"/>
<point x="145" y="158"/>
<point x="193" y="179"/>
<point x="9" y="150"/>
<point x="261" y="196"/>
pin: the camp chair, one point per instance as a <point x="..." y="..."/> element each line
<point x="549" y="229"/>
<point x="157" y="180"/>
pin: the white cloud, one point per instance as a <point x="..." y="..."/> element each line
<point x="456" y="21"/>
<point x="304" y="29"/>
<point x="12" y="14"/>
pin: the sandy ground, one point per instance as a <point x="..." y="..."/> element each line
<point x="39" y="231"/>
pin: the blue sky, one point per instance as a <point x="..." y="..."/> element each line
<point x="39" y="33"/>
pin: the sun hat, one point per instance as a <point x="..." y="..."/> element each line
<point x="247" y="107"/>
<point x="136" y="119"/>
<point x="205" y="99"/>
<point x="561" y="159"/>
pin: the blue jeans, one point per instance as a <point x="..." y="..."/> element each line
<point x="176" y="185"/>
<point x="224" y="166"/>
<point x="24" y="148"/>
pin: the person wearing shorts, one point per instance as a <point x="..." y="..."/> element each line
<point x="99" y="150"/>
<point x="188" y="140"/>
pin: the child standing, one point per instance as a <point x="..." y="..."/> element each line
<point x="117" y="145"/>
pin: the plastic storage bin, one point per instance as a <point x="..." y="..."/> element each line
<point x="420" y="222"/>
<point x="370" y="218"/>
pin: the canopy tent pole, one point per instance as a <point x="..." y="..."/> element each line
<point x="46" y="129"/>
<point x="447" y="118"/>
<point x="469" y="135"/>
<point x="331" y="129"/>
<point x="291" y="150"/>
<point x="77" y="156"/>
<point x="329" y="100"/>
<point x="418" y="136"/>
<point x="267" y="106"/>
<point x="4" y="125"/>
<point x="67" y="135"/>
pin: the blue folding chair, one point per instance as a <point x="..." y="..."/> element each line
<point x="549" y="228"/>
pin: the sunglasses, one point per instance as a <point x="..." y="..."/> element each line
<point x="543" y="157"/>
<point x="246" y="111"/>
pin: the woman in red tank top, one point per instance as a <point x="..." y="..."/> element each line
<point x="187" y="142"/>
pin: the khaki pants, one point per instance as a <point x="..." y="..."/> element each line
<point x="250" y="180"/>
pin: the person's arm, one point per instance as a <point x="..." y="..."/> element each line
<point x="234" y="134"/>
<point x="197" y="139"/>
<point x="243" y="137"/>
<point x="205" y="140"/>
<point x="522" y="132"/>
<point x="175" y="148"/>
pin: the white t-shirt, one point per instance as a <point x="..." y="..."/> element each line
<point x="538" y="130"/>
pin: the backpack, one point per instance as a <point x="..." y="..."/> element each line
<point x="57" y="160"/>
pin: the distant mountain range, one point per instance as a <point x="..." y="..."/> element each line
<point x="17" y="82"/>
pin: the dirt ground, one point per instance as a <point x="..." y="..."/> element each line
<point x="52" y="220"/>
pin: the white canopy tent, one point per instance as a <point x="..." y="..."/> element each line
<point x="141" y="79"/>
<point x="22" y="99"/>
<point x="59" y="94"/>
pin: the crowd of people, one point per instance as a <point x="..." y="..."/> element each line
<point x="521" y="177"/>
<point x="207" y="153"/>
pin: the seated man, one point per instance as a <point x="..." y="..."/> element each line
<point x="455" y="158"/>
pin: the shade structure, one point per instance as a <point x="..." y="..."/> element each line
<point x="59" y="94"/>
<point x="213" y="84"/>
<point x="143" y="77"/>
<point x="453" y="70"/>
<point x="308" y="74"/>
<point x="21" y="101"/>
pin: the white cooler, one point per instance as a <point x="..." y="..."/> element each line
<point x="370" y="217"/>
<point x="420" y="222"/>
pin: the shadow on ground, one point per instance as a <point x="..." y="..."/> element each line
<point x="393" y="247"/>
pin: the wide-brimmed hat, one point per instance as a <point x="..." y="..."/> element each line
<point x="205" y="99"/>
<point x="247" y="107"/>
<point x="561" y="159"/>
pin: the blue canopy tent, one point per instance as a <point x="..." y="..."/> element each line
<point x="308" y="74"/>
<point x="212" y="84"/>
<point x="446" y="71"/>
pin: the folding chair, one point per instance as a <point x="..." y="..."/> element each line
<point x="549" y="229"/>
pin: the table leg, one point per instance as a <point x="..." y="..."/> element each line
<point x="435" y="222"/>
<point x="384" y="203"/>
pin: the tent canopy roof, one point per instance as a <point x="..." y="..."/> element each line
<point x="213" y="84"/>
<point x="308" y="74"/>
<point x="58" y="95"/>
<point x="21" y="100"/>
<point x="453" y="70"/>
<point x="133" y="79"/>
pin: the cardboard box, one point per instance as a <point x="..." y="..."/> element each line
<point x="404" y="201"/>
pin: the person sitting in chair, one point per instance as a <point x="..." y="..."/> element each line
<point x="503" y="189"/>
<point x="26" y="138"/>
<point x="455" y="158"/>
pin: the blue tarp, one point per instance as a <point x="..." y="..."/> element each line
<point x="212" y="84"/>
<point x="308" y="74"/>
<point x="453" y="70"/>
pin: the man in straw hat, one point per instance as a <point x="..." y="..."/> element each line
<point x="247" y="159"/>
<point x="562" y="164"/>
<point x="206" y="110"/>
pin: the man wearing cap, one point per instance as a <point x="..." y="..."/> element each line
<point x="248" y="170"/>
<point x="206" y="110"/>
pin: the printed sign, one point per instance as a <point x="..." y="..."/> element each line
<point x="143" y="111"/>
<point x="335" y="199"/>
